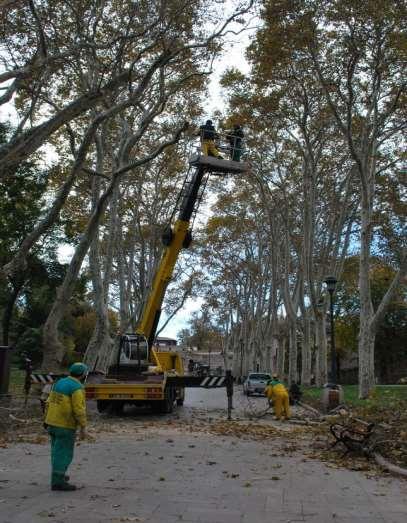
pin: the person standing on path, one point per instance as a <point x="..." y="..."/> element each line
<point x="278" y="394"/>
<point x="65" y="413"/>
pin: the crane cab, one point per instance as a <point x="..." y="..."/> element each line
<point x="134" y="350"/>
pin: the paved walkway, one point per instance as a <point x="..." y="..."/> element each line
<point x="169" y="476"/>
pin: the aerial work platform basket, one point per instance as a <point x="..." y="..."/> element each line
<point x="224" y="164"/>
<point x="217" y="166"/>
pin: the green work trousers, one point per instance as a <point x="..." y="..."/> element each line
<point x="62" y="446"/>
<point x="236" y="150"/>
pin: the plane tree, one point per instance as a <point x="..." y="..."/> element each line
<point x="355" y="50"/>
<point x="171" y="63"/>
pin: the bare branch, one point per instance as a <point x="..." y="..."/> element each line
<point x="41" y="35"/>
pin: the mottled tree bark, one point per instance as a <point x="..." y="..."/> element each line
<point x="321" y="363"/>
<point x="306" y="351"/>
<point x="53" y="348"/>
<point x="100" y="345"/>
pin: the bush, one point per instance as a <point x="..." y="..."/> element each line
<point x="29" y="345"/>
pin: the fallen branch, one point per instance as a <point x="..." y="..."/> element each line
<point x="12" y="409"/>
<point x="389" y="466"/>
<point x="311" y="409"/>
<point x="305" y="421"/>
<point x="338" y="409"/>
<point x="19" y="419"/>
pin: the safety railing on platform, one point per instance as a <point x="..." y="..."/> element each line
<point x="229" y="146"/>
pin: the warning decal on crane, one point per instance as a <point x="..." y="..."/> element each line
<point x="45" y="378"/>
<point x="211" y="382"/>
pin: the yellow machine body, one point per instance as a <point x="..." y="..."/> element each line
<point x="148" y="388"/>
<point x="162" y="278"/>
<point x="150" y="383"/>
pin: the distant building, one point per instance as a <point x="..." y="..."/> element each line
<point x="189" y="349"/>
<point x="214" y="359"/>
<point x="165" y="343"/>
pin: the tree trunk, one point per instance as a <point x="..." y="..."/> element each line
<point x="124" y="285"/>
<point x="275" y="349"/>
<point x="100" y="344"/>
<point x="53" y="348"/>
<point x="293" y="353"/>
<point x="306" y="353"/>
<point x="321" y="363"/>
<point x="366" y="352"/>
<point x="366" y="337"/>
<point x="8" y="310"/>
<point x="281" y="357"/>
<point x="268" y="358"/>
<point x="234" y="343"/>
<point x="112" y="240"/>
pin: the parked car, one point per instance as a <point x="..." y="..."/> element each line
<point x="201" y="369"/>
<point x="255" y="383"/>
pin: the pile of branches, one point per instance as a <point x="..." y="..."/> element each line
<point x="384" y="439"/>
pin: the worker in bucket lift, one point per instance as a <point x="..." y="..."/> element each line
<point x="278" y="395"/>
<point x="65" y="412"/>
<point x="208" y="134"/>
<point x="235" y="139"/>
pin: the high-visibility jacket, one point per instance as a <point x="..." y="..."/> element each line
<point x="275" y="388"/>
<point x="66" y="404"/>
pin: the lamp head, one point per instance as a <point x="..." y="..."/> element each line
<point x="330" y="282"/>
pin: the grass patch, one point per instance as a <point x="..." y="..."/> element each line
<point x="17" y="378"/>
<point x="386" y="407"/>
<point x="381" y="396"/>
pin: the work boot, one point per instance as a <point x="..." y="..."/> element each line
<point x="64" y="486"/>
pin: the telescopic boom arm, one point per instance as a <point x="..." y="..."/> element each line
<point x="178" y="239"/>
<point x="150" y="317"/>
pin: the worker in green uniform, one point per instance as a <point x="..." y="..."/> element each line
<point x="235" y="139"/>
<point x="65" y="413"/>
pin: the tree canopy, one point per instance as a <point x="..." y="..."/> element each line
<point x="108" y="97"/>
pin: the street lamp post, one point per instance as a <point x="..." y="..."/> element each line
<point x="331" y="282"/>
<point x="241" y="358"/>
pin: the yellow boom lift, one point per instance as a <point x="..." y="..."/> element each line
<point x="142" y="374"/>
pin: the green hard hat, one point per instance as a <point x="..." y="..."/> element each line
<point x="78" y="369"/>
